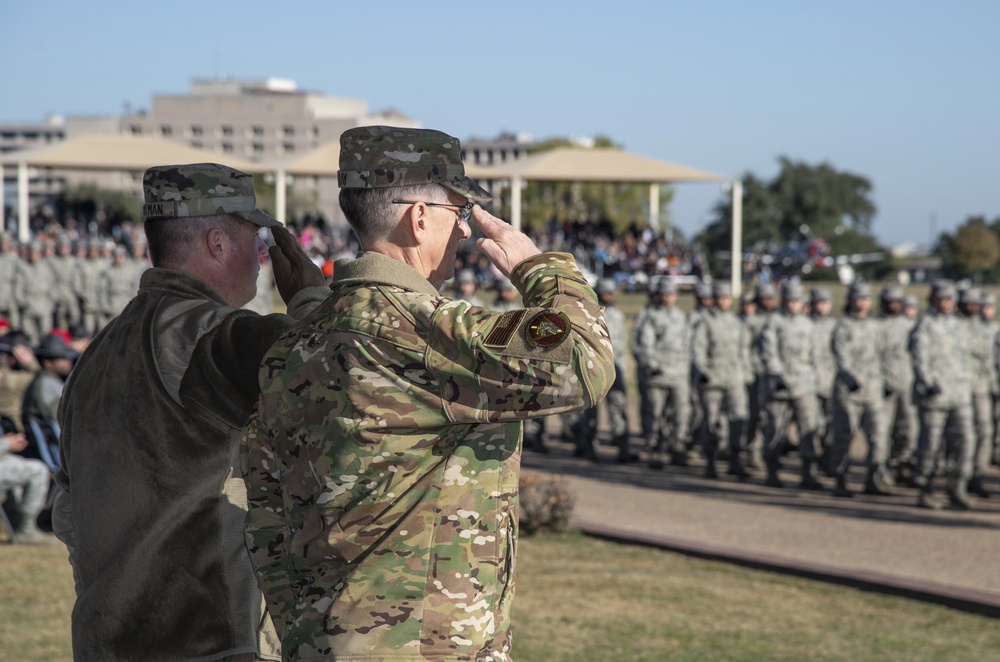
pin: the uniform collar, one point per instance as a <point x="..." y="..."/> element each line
<point x="376" y="268"/>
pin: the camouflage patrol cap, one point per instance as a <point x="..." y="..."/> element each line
<point x="606" y="286"/>
<point x="970" y="295"/>
<point x="909" y="301"/>
<point x="988" y="300"/>
<point x="703" y="290"/>
<point x="859" y="290"/>
<point x="466" y="276"/>
<point x="666" y="286"/>
<point x="504" y="283"/>
<point x="793" y="291"/>
<point x="766" y="291"/>
<point x="388" y="156"/>
<point x="748" y="298"/>
<point x="201" y="189"/>
<point x="892" y="293"/>
<point x="943" y="289"/>
<point x="721" y="289"/>
<point x="818" y="294"/>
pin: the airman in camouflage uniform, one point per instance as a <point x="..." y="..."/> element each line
<point x="719" y="349"/>
<point x="982" y="337"/>
<point x="117" y="286"/>
<point x="662" y="346"/>
<point x="766" y="299"/>
<point x="900" y="410"/>
<point x="382" y="461"/>
<point x="704" y="301"/>
<point x="616" y="402"/>
<point x="944" y="398"/>
<point x="8" y="271"/>
<point x="826" y="368"/>
<point x="858" y="395"/>
<point x="506" y="297"/>
<point x="465" y="287"/>
<point x="789" y="356"/>
<point x="34" y="284"/>
<point x="87" y="286"/>
<point x="63" y="265"/>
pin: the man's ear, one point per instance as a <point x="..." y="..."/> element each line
<point x="215" y="242"/>
<point x="416" y="223"/>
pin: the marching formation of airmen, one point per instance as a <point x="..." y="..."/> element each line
<point x="61" y="284"/>
<point x="924" y="391"/>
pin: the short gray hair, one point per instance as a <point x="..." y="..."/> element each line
<point x="170" y="239"/>
<point x="371" y="212"/>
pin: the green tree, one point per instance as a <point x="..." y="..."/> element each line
<point x="974" y="249"/>
<point x="802" y="201"/>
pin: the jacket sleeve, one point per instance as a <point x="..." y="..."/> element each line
<point x="551" y="357"/>
<point x="266" y="532"/>
<point x="920" y="351"/>
<point x="769" y="350"/>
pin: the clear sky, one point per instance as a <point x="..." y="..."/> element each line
<point x="903" y="92"/>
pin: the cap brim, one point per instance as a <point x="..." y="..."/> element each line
<point x="259" y="218"/>
<point x="468" y="188"/>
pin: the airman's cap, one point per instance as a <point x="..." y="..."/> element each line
<point x="970" y="295"/>
<point x="666" y="286"/>
<point x="765" y="291"/>
<point x="606" y="286"/>
<point x="989" y="300"/>
<point x="859" y="290"/>
<point x="792" y="291"/>
<point x="943" y="289"/>
<point x="892" y="293"/>
<point x="818" y="294"/>
<point x="504" y="283"/>
<point x="703" y="290"/>
<point x="388" y="156"/>
<point x="721" y="289"/>
<point x="201" y="189"/>
<point x="466" y="276"/>
<point x="909" y="301"/>
<point x="748" y="298"/>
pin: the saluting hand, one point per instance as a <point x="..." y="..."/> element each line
<point x="501" y="243"/>
<point x="293" y="270"/>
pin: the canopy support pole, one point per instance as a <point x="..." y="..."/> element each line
<point x="654" y="207"/>
<point x="515" y="202"/>
<point x="23" y="230"/>
<point x="279" y="195"/>
<point x="736" y="278"/>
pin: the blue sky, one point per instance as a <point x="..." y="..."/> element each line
<point x="904" y="93"/>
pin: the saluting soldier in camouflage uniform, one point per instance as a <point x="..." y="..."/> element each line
<point x="939" y="345"/>
<point x="8" y="272"/>
<point x="719" y="349"/>
<point x="382" y="461"/>
<point x="788" y="355"/>
<point x="63" y="264"/>
<point x="616" y="401"/>
<point x="858" y="395"/>
<point x="661" y="343"/>
<point x="983" y="375"/>
<point x="900" y="410"/>
<point x="34" y="285"/>
<point x="826" y="368"/>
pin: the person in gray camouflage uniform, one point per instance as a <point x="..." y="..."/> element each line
<point x="116" y="286"/>
<point x="506" y="296"/>
<point x="63" y="265"/>
<point x="8" y="271"/>
<point x="704" y="301"/>
<point x="719" y="349"/>
<point x="789" y="357"/>
<point x="939" y="345"/>
<point x="465" y="287"/>
<point x="661" y="344"/>
<point x="86" y="285"/>
<point x="826" y="368"/>
<point x="382" y="461"/>
<point x="34" y="286"/>
<point x="900" y="410"/>
<point x="858" y="395"/>
<point x="766" y="303"/>
<point x="989" y="311"/>
<point x="983" y="373"/>
<point x="585" y="429"/>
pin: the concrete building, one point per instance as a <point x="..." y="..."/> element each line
<point x="267" y="121"/>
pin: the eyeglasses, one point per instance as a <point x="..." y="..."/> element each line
<point x="464" y="211"/>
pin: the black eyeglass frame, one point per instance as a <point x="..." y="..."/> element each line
<point x="464" y="212"/>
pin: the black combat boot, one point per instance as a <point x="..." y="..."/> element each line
<point x="959" y="497"/>
<point x="876" y="484"/>
<point x="976" y="487"/>
<point x="809" y="481"/>
<point x="772" y="465"/>
<point x="840" y="489"/>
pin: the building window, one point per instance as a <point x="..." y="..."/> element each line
<point x="316" y="131"/>
<point x="227" y="147"/>
<point x="195" y="130"/>
<point x="288" y="147"/>
<point x="166" y="131"/>
<point x="289" y="130"/>
<point x="136" y="130"/>
<point x="258" y="147"/>
<point x="196" y="144"/>
<point x="227" y="130"/>
<point x="258" y="131"/>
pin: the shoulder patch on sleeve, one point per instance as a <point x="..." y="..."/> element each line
<point x="504" y="328"/>
<point x="546" y="329"/>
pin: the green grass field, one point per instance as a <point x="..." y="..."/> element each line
<point x="584" y="599"/>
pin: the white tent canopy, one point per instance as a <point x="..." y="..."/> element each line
<point x="107" y="152"/>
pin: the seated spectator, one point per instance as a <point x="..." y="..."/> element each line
<point x="31" y="477"/>
<point x="41" y="399"/>
<point x="17" y="368"/>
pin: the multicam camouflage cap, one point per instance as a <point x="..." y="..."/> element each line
<point x="388" y="156"/>
<point x="201" y="189"/>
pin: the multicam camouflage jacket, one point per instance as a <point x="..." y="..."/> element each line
<point x="382" y="461"/>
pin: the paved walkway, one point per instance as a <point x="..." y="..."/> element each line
<point x="866" y="541"/>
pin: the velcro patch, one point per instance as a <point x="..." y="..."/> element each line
<point x="546" y="329"/>
<point x="504" y="329"/>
